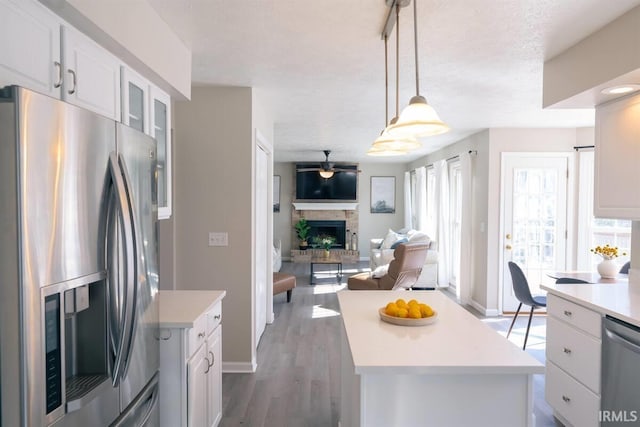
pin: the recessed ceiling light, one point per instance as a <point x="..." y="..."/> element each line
<point x="621" y="89"/>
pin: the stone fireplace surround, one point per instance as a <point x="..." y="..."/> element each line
<point x="349" y="216"/>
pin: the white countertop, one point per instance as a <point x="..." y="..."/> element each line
<point x="620" y="300"/>
<point x="457" y="343"/>
<point x="179" y="309"/>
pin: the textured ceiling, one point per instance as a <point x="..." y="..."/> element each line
<point x="319" y="65"/>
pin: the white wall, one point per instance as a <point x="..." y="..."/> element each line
<point x="370" y="225"/>
<point x="213" y="180"/>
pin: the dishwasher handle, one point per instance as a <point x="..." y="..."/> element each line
<point x="622" y="333"/>
<point x="619" y="339"/>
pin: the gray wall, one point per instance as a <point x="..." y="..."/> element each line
<point x="212" y="192"/>
<point x="370" y="225"/>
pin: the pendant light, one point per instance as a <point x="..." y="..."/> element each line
<point x="418" y="118"/>
<point x="385" y="144"/>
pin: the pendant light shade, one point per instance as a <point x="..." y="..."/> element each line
<point x="418" y="118"/>
<point x="380" y="152"/>
<point x="389" y="142"/>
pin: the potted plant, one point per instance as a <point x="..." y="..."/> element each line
<point x="325" y="242"/>
<point x="302" y="230"/>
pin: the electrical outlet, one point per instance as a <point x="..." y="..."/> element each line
<point x="218" y="239"/>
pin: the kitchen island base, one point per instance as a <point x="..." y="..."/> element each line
<point x="455" y="372"/>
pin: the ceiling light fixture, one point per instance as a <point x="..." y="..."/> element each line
<point x="621" y="89"/>
<point x="326" y="174"/>
<point x="418" y="118"/>
<point x="385" y="144"/>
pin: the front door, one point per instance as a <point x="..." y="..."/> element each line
<point x="534" y="191"/>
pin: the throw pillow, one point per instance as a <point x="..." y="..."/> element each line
<point x="389" y="240"/>
<point x="380" y="271"/>
<point x="399" y="242"/>
<point x="419" y="237"/>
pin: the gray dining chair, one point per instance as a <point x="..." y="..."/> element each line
<point x="570" y="280"/>
<point x="625" y="268"/>
<point x="523" y="294"/>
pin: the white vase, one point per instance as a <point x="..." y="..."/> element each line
<point x="608" y="269"/>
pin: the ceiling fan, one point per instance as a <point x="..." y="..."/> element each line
<point x="326" y="169"/>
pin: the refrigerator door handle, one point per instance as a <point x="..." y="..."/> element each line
<point x="133" y="287"/>
<point x="129" y="244"/>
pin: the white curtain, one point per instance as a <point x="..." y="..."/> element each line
<point x="421" y="199"/>
<point x="465" y="282"/>
<point x="408" y="220"/>
<point x="442" y="196"/>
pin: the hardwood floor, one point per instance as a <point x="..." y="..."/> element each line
<point x="297" y="381"/>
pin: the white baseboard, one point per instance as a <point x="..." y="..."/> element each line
<point x="482" y="309"/>
<point x="239" y="367"/>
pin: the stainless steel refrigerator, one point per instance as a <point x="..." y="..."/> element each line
<point x="78" y="267"/>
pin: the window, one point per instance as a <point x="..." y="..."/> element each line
<point x="455" y="214"/>
<point x="414" y="199"/>
<point x="432" y="214"/>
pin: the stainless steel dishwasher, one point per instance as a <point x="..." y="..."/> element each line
<point x="620" y="375"/>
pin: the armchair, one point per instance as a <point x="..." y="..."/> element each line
<point x="402" y="272"/>
<point x="381" y="253"/>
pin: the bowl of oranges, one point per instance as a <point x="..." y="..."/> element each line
<point x="412" y="313"/>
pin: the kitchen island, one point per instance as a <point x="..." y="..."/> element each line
<point x="454" y="372"/>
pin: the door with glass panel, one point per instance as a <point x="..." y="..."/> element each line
<point x="534" y="193"/>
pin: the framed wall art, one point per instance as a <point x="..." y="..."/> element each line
<point x="383" y="194"/>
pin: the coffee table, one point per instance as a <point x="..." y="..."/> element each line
<point x="331" y="259"/>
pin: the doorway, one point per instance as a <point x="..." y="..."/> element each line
<point x="534" y="218"/>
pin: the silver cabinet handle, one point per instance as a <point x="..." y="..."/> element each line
<point x="200" y="334"/>
<point x="59" y="68"/>
<point x="566" y="350"/>
<point x="73" y="76"/>
<point x="213" y="358"/>
<point x="567" y="313"/>
<point x="217" y="316"/>
<point x="208" y="365"/>
<point x="566" y="399"/>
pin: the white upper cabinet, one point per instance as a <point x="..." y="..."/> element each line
<point x="135" y="100"/>
<point x="160" y="106"/>
<point x="30" y="47"/>
<point x="91" y="74"/>
<point x="617" y="159"/>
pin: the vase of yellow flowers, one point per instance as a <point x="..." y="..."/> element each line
<point x="325" y="242"/>
<point x="607" y="268"/>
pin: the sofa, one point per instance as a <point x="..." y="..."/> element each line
<point x="381" y="254"/>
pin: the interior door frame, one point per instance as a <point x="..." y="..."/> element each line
<point x="571" y="208"/>
<point x="262" y="143"/>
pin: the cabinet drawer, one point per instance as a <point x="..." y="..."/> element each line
<point x="570" y="399"/>
<point x="214" y="317"/>
<point x="197" y="334"/>
<point x="575" y="352"/>
<point x="579" y="317"/>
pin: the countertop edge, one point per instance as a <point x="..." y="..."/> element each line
<point x="186" y="319"/>
<point x="604" y="310"/>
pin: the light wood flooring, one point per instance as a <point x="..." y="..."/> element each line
<point x="297" y="381"/>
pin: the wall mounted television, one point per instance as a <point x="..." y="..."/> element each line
<point x="341" y="186"/>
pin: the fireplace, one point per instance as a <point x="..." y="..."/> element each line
<point x="331" y="228"/>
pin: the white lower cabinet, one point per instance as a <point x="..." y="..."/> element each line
<point x="191" y="372"/>
<point x="572" y="379"/>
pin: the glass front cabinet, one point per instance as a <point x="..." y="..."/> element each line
<point x="148" y="109"/>
<point x="161" y="130"/>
